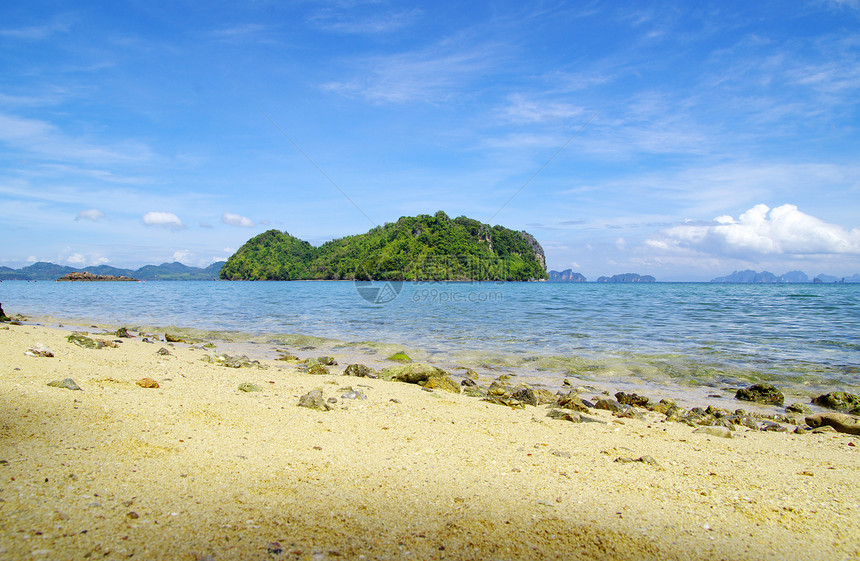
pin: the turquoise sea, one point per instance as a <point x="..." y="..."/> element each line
<point x="801" y="336"/>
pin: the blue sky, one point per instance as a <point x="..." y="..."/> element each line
<point x="682" y="140"/>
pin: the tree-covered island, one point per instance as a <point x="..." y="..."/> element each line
<point x="422" y="247"/>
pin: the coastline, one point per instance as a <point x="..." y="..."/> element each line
<point x="197" y="468"/>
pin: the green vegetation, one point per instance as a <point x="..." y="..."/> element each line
<point x="423" y="247"/>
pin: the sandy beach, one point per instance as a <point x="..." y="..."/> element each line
<point x="197" y="469"/>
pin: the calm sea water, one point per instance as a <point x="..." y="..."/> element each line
<point x="693" y="334"/>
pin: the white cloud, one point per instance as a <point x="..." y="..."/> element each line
<point x="92" y="214"/>
<point x="76" y="259"/>
<point x="182" y="255"/>
<point x="163" y="219"/>
<point x="32" y="259"/>
<point x="236" y="220"/>
<point x="784" y="230"/>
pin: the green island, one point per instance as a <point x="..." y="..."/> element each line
<point x="422" y="247"/>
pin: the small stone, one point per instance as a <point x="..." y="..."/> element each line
<point x="721" y="432"/>
<point x="327" y="360"/>
<point x="163" y="351"/>
<point x="173" y="338"/>
<point x="354" y="394"/>
<point x="413" y="373"/>
<point x="39" y="351"/>
<point x="83" y="341"/>
<point x="249" y="387"/>
<point x="360" y="371"/>
<point x="66" y="383"/>
<point x="572" y="401"/>
<point x="123" y="332"/>
<point x="132" y="515"/>
<point x="571" y="416"/>
<point x="608" y="405"/>
<point x="147" y="383"/>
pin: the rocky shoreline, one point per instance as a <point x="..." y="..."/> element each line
<point x="129" y="441"/>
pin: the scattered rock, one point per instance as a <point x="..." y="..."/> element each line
<point x="163" y="352"/>
<point x="147" y="383"/>
<point x="3" y="316"/>
<point x="314" y="400"/>
<point x="83" y="341"/>
<point x="801" y="408"/>
<point x="526" y="395"/>
<point x="235" y="361"/>
<point x="173" y="338"/>
<point x="327" y="360"/>
<point x="632" y="399"/>
<point x="443" y="383"/>
<point x="571" y="416"/>
<point x="313" y="366"/>
<point x="608" y="405"/>
<point x="249" y="387"/>
<point x="354" y="394"/>
<point x="66" y="383"/>
<point x="413" y="373"/>
<point x="841" y="422"/>
<point x="123" y="332"/>
<point x="572" y="401"/>
<point x="286" y="357"/>
<point x="646" y="459"/>
<point x="39" y="350"/>
<point x="761" y="393"/>
<point x="721" y="432"/>
<point x="360" y="370"/>
<point x="841" y="401"/>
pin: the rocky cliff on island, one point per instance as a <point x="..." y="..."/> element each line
<point x="85" y="276"/>
<point x="418" y="248"/>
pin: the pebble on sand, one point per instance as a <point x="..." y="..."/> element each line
<point x="147" y="383"/>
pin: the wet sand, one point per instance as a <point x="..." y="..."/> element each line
<point x="197" y="469"/>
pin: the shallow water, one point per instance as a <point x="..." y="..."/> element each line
<point x="802" y="337"/>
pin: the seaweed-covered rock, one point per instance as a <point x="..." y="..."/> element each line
<point x="82" y="340"/>
<point x="801" y="408"/>
<point x="360" y="371"/>
<point x="3" y="316"/>
<point x="631" y="399"/>
<point x="841" y="401"/>
<point x="237" y="362"/>
<point x="123" y="333"/>
<point x="761" y="393"/>
<point x="399" y="357"/>
<point x="526" y="395"/>
<point x="173" y="338"/>
<point x="314" y="400"/>
<point x="327" y="360"/>
<point x="443" y="383"/>
<point x="412" y="373"/>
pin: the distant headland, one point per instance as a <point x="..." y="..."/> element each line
<point x="791" y="277"/>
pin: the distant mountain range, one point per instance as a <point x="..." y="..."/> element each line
<point x="166" y="271"/>
<point x="766" y="277"/>
<point x="569" y="276"/>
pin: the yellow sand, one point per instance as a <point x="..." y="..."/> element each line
<point x="197" y="469"/>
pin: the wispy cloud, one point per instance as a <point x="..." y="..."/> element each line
<point x="237" y="220"/>
<point x="37" y="32"/>
<point x="430" y="75"/>
<point x="163" y="219"/>
<point x="92" y="214"/>
<point x="44" y="139"/>
<point x="342" y="21"/>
